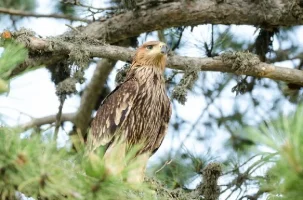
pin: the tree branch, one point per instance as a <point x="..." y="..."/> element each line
<point x="60" y="49"/>
<point x="192" y="13"/>
<point x="29" y="14"/>
<point x="132" y="23"/>
<point x="36" y="122"/>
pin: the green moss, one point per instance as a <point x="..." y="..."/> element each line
<point x="27" y="5"/>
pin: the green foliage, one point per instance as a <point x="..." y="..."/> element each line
<point x="27" y="5"/>
<point x="174" y="174"/>
<point x="13" y="55"/>
<point x="181" y="170"/>
<point x="33" y="167"/>
<point x="285" y="137"/>
<point x="65" y="8"/>
<point x="37" y="168"/>
<point x="226" y="41"/>
<point x="3" y="86"/>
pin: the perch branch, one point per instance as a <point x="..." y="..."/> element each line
<point x="61" y="49"/>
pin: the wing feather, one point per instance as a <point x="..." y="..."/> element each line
<point x="167" y="110"/>
<point x="112" y="113"/>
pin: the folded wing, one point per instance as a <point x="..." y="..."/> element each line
<point x="112" y="113"/>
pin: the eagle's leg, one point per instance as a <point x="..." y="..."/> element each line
<point x="114" y="159"/>
<point x="137" y="172"/>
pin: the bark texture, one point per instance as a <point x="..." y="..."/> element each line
<point x="191" y="13"/>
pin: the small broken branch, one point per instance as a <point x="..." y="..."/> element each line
<point x="22" y="13"/>
<point x="36" y="122"/>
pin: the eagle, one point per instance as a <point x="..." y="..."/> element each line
<point x="135" y="113"/>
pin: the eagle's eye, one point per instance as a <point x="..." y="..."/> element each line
<point x="149" y="47"/>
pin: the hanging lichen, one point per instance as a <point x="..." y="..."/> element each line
<point x="80" y="57"/>
<point x="189" y="78"/>
<point x="241" y="62"/>
<point x="66" y="87"/>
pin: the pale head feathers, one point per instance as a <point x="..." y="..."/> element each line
<point x="153" y="54"/>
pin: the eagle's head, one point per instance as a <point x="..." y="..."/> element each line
<point x="153" y="53"/>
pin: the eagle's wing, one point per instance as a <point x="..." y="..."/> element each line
<point x="167" y="110"/>
<point x="112" y="113"/>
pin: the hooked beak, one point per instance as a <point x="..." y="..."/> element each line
<point x="164" y="49"/>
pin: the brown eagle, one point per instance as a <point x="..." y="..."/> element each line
<point x="137" y="112"/>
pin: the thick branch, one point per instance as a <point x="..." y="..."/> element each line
<point x="92" y="93"/>
<point x="191" y="13"/>
<point x="36" y="122"/>
<point x="29" y="14"/>
<point x="60" y="49"/>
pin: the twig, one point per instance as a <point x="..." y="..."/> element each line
<point x="29" y="14"/>
<point x="73" y="28"/>
<point x="36" y="122"/>
<point x="17" y="110"/>
<point x="196" y="123"/>
<point x="59" y="114"/>
<point x="165" y="164"/>
<point x="241" y="165"/>
<point x="176" y="45"/>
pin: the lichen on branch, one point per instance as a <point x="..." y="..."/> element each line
<point x="188" y="80"/>
<point x="241" y="62"/>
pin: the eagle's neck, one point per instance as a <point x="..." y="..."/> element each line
<point x="154" y="62"/>
<point x="147" y="75"/>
